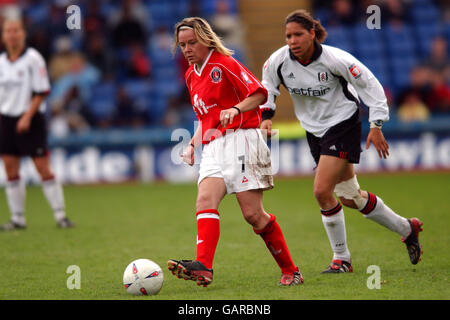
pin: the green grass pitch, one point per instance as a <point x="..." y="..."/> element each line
<point x="119" y="223"/>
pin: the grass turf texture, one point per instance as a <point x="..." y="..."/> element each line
<point x="119" y="223"/>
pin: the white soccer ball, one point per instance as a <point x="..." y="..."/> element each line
<point x="143" y="277"/>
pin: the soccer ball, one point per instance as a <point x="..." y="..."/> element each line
<point x="143" y="277"/>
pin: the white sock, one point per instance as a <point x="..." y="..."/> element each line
<point x="334" y="223"/>
<point x="15" y="193"/>
<point x="385" y="216"/>
<point x="54" y="193"/>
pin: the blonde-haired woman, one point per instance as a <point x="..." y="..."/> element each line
<point x="235" y="158"/>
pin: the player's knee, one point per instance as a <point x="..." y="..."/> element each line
<point x="348" y="203"/>
<point x="254" y="217"/>
<point x="11" y="169"/>
<point x="45" y="173"/>
<point x="204" y="202"/>
<point x="322" y="193"/>
<point x="350" y="194"/>
<point x="12" y="172"/>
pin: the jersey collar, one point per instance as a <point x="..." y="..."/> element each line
<point x="20" y="55"/>
<point x="316" y="54"/>
<point x="199" y="73"/>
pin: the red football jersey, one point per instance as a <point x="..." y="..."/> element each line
<point x="221" y="83"/>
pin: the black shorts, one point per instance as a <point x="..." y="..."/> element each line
<point x="342" y="140"/>
<point x="32" y="143"/>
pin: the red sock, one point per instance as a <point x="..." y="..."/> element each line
<point x="274" y="239"/>
<point x="208" y="231"/>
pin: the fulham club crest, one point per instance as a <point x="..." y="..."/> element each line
<point x="322" y="76"/>
<point x="216" y="75"/>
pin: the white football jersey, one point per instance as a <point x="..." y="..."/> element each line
<point x="20" y="79"/>
<point x="325" y="91"/>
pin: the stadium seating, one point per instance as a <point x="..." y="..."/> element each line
<point x="390" y="52"/>
<point x="102" y="103"/>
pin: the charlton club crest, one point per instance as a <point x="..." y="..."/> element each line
<point x="216" y="75"/>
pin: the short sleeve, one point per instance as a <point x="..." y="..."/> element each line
<point x="39" y="77"/>
<point x="243" y="80"/>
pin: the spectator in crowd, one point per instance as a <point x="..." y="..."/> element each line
<point x="94" y="22"/>
<point x="229" y="27"/>
<point x="73" y="89"/>
<point x="444" y="8"/>
<point x="439" y="61"/>
<point x="69" y="114"/>
<point x="61" y="61"/>
<point x="412" y="109"/>
<point x="439" y="98"/>
<point x="161" y="39"/>
<point x="136" y="10"/>
<point x="56" y="22"/>
<point x="394" y="11"/>
<point x="81" y="74"/>
<point x="128" y="30"/>
<point x="138" y="65"/>
<point x="100" y="55"/>
<point x="419" y="85"/>
<point x="179" y="110"/>
<point x="127" y="113"/>
<point x="343" y="13"/>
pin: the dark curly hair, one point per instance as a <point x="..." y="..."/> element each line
<point x="305" y="19"/>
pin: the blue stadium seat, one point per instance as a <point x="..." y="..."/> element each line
<point x="161" y="12"/>
<point x="138" y="88"/>
<point x="399" y="41"/>
<point x="368" y="43"/>
<point x="426" y="32"/>
<point x="181" y="9"/>
<point x="103" y="101"/>
<point x="340" y="37"/>
<point x="146" y="97"/>
<point x="447" y="33"/>
<point x="400" y="70"/>
<point x="379" y="67"/>
<point x="37" y="13"/>
<point x="208" y="7"/>
<point x="424" y="12"/>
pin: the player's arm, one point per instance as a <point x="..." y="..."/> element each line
<point x="251" y="102"/>
<point x="247" y="86"/>
<point x="272" y="82"/>
<point x="40" y="86"/>
<point x="23" y="125"/>
<point x="372" y="93"/>
<point x="188" y="154"/>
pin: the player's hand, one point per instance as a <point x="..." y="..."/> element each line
<point x="227" y="116"/>
<point x="267" y="126"/>
<point x="24" y="123"/>
<point x="188" y="155"/>
<point x="376" y="137"/>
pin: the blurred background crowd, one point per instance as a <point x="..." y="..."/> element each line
<point x="408" y="54"/>
<point x="118" y="71"/>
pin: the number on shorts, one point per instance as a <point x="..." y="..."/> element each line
<point x="242" y="158"/>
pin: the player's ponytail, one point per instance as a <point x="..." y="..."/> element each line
<point x="305" y="19"/>
<point x="204" y="33"/>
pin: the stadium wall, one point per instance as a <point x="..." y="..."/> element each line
<point x="105" y="163"/>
